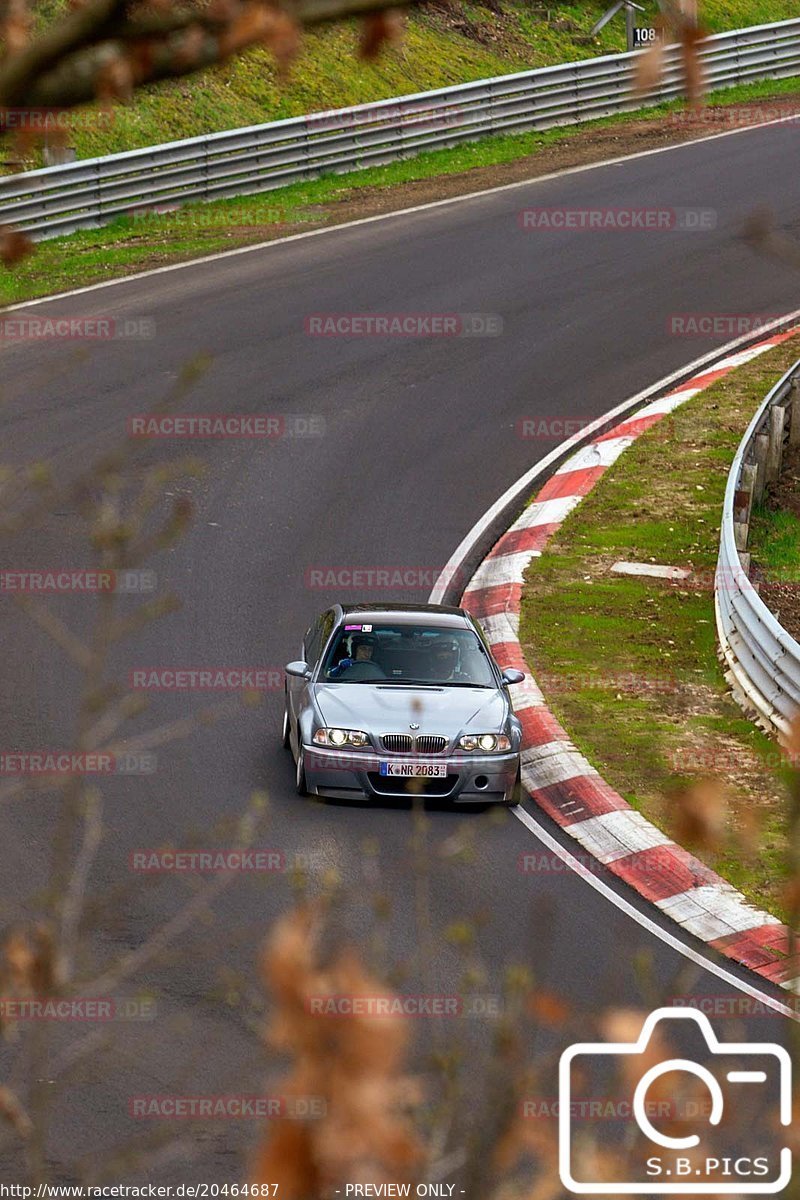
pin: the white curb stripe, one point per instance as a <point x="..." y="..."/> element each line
<point x="740" y="358"/>
<point x="618" y="834"/>
<point x="709" y="911"/>
<point x="526" y="694"/>
<point x="553" y="762"/>
<point x="666" y="404"/>
<point x="596" y="454"/>
<point x="504" y="568"/>
<point x="714" y="911"/>
<point x="501" y="627"/>
<point x="547" y="512"/>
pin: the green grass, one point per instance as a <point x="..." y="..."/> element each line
<point x="646" y="701"/>
<point x="774" y="542"/>
<point x="131" y="244"/>
<point x="434" y="53"/>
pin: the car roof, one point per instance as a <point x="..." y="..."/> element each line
<point x="409" y="614"/>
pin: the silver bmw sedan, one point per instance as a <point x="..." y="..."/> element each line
<point x="401" y="700"/>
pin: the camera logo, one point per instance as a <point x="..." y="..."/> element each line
<point x="661" y="1163"/>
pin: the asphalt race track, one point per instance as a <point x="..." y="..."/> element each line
<point x="420" y="437"/>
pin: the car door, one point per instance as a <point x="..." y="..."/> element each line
<point x="314" y="643"/>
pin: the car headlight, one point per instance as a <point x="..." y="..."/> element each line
<point x="341" y="737"/>
<point x="489" y="743"/>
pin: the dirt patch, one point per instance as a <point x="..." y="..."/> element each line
<point x="783" y="601"/>
<point x="586" y="146"/>
<point x="581" y="148"/>
<point x="492" y="29"/>
<point x="785" y="492"/>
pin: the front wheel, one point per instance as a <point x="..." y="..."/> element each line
<point x="515" y="796"/>
<point x="300" y="778"/>
<point x="285" y="739"/>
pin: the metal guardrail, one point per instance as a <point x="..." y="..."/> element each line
<point x="762" y="659"/>
<point x="57" y="200"/>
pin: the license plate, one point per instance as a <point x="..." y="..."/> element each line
<point x="415" y="770"/>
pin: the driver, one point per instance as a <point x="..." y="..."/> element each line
<point x="444" y="660"/>
<point x="360" y="665"/>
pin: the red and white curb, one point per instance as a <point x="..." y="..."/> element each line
<point x="558" y="778"/>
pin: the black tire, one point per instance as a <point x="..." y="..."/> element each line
<point x="300" y="773"/>
<point x="516" y="792"/>
<point x="285" y="739"/>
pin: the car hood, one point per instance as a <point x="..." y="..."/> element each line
<point x="391" y="708"/>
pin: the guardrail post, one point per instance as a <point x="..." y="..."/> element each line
<point x="760" y="658"/>
<point x="760" y="448"/>
<point x="742" y="505"/>
<point x="794" y="420"/>
<point x="777" y="417"/>
<point x="307" y="148"/>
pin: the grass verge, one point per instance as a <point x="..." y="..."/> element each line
<point x="775" y="541"/>
<point x="642" y="693"/>
<point x="136" y="243"/>
<point x="774" y="544"/>
<point x="446" y="42"/>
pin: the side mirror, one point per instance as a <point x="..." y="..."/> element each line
<point x="299" y="669"/>
<point x="512" y="675"/>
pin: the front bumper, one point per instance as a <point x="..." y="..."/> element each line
<point x="471" y="779"/>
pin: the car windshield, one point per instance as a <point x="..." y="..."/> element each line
<point x="422" y="654"/>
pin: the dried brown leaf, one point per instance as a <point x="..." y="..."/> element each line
<point x="690" y="40"/>
<point x="380" y="29"/>
<point x="649" y="67"/>
<point x="548" y="1008"/>
<point x="283" y="40"/>
<point x="114" y="80"/>
<point x="11" y="1111"/>
<point x="698" y="814"/>
<point x="15" y="28"/>
<point x="350" y="1062"/>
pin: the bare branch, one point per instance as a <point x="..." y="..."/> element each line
<point x="72" y="646"/>
<point x="76" y="889"/>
